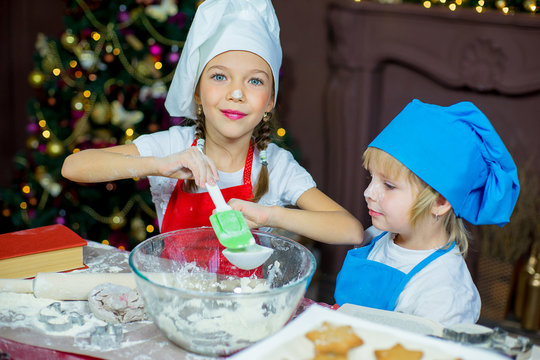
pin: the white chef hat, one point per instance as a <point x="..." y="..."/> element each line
<point x="220" y="26"/>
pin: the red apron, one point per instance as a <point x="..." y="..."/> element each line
<point x="190" y="210"/>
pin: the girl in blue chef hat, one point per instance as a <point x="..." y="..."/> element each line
<point x="227" y="82"/>
<point x="431" y="168"/>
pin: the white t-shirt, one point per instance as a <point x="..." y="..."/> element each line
<point x="443" y="291"/>
<point x="287" y="179"/>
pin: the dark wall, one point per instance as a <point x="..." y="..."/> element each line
<point x="20" y="23"/>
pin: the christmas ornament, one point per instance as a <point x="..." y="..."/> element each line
<point x="55" y="148"/>
<point x="32" y="128"/>
<point x="108" y="58"/>
<point x="500" y="4"/>
<point x="78" y="102"/>
<point x="173" y="57"/>
<point x="36" y="78"/>
<point x="530" y="5"/>
<point x="88" y="59"/>
<point x="122" y="118"/>
<point x="117" y="220"/>
<point x="47" y="182"/>
<point x="156" y="50"/>
<point x="68" y="40"/>
<point x="101" y="113"/>
<point x="145" y="67"/>
<point x="134" y="42"/>
<point x="179" y="20"/>
<point x="162" y="11"/>
<point x="123" y="16"/>
<point x="138" y="231"/>
<point x="41" y="45"/>
<point x="156" y="91"/>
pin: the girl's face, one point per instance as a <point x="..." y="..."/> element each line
<point x="389" y="202"/>
<point x="235" y="90"/>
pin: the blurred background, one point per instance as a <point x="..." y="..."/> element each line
<point x="92" y="73"/>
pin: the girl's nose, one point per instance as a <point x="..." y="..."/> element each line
<point x="236" y="95"/>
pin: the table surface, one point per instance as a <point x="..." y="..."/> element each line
<point x="21" y="330"/>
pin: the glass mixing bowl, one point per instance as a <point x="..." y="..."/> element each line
<point x="204" y="304"/>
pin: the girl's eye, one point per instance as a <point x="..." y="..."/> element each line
<point x="389" y="186"/>
<point x="219" y="77"/>
<point x="255" y="81"/>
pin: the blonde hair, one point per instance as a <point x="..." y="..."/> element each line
<point x="261" y="139"/>
<point x="426" y="198"/>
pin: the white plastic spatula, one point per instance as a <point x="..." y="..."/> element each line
<point x="233" y="233"/>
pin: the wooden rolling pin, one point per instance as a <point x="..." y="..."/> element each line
<point x="65" y="286"/>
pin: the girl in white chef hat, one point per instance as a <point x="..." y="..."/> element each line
<point x="227" y="81"/>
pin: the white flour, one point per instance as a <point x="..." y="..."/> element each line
<point x="230" y="313"/>
<point x="23" y="310"/>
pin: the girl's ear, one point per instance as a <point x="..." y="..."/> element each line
<point x="270" y="105"/>
<point x="197" y="95"/>
<point x="441" y="206"/>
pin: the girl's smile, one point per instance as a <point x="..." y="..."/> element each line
<point x="233" y="114"/>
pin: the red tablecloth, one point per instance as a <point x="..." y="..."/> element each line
<point x="14" y="350"/>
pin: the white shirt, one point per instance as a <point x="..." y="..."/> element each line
<point x="443" y="291"/>
<point x="287" y="179"/>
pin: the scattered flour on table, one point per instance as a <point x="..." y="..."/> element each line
<point x="102" y="264"/>
<point x="23" y="311"/>
<point x="100" y="259"/>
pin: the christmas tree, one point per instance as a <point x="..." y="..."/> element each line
<point x="101" y="83"/>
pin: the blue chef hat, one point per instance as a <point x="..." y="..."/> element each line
<point x="457" y="152"/>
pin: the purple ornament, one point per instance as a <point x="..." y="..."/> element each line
<point x="123" y="16"/>
<point x="86" y="32"/>
<point x="60" y="220"/>
<point x="173" y="57"/>
<point x="179" y="19"/>
<point x="156" y="50"/>
<point x="32" y="128"/>
<point x="77" y="114"/>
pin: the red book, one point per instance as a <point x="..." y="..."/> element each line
<point x="45" y="249"/>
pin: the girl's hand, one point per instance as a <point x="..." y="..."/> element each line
<point x="256" y="215"/>
<point x="189" y="164"/>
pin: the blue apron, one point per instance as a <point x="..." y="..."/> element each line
<point x="371" y="283"/>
